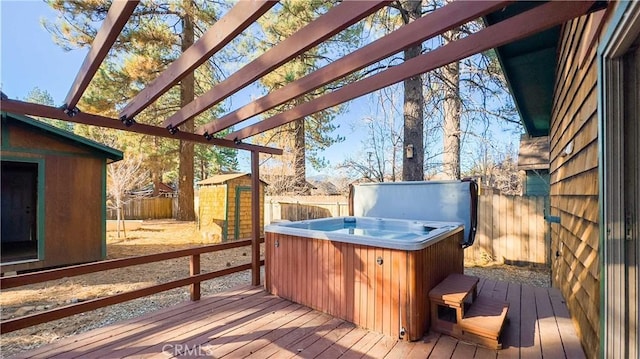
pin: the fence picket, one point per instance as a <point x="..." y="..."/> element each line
<point x="147" y="208"/>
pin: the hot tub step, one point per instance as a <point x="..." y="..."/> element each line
<point x="485" y="319"/>
<point x="456" y="310"/>
<point x="455" y="289"/>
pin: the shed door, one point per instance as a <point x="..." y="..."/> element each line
<point x="19" y="204"/>
<point x="243" y="213"/>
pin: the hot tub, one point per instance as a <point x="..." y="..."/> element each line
<point x="374" y="272"/>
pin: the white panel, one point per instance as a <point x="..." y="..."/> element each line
<point x="447" y="201"/>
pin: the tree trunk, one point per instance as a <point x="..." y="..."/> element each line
<point x="451" y="126"/>
<point x="299" y="158"/>
<point x="413" y="167"/>
<point x="118" y="218"/>
<point x="156" y="178"/>
<point x="187" y="86"/>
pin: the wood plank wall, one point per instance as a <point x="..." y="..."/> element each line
<point x="511" y="230"/>
<point x="344" y="280"/>
<point x="574" y="183"/>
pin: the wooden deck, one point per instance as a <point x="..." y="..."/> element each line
<point x="248" y="322"/>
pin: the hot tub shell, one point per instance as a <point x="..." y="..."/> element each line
<point x="377" y="288"/>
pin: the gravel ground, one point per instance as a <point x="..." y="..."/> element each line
<point x="534" y="277"/>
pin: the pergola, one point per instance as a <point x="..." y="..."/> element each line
<point x="242" y="15"/>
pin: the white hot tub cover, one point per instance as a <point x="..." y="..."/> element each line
<point x="447" y="201"/>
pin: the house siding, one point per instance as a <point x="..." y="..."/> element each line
<point x="574" y="182"/>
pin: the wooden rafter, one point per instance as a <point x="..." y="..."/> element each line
<point x="117" y="17"/>
<point x="435" y="23"/>
<point x="26" y="108"/>
<point x="520" y="26"/>
<point x="335" y="20"/>
<point x="241" y="16"/>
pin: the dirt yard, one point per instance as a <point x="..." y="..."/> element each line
<point x="150" y="237"/>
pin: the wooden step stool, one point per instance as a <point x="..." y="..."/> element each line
<point x="457" y="310"/>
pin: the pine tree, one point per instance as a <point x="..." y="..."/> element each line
<point x="156" y="34"/>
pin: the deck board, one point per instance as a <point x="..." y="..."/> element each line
<point x="250" y="323"/>
<point x="529" y="329"/>
<point x="511" y="332"/>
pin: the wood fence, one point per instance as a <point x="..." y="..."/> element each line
<point x="275" y="209"/>
<point x="511" y="230"/>
<point x="147" y="208"/>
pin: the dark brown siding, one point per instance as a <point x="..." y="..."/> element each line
<point x="574" y="182"/>
<point x="344" y="280"/>
<point x="73" y="223"/>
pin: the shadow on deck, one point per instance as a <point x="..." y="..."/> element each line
<point x="248" y="322"/>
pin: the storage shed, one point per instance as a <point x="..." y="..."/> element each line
<point x="53" y="195"/>
<point x="533" y="158"/>
<point x="225" y="207"/>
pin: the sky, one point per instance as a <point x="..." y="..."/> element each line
<point x="29" y="58"/>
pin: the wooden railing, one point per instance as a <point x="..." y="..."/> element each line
<point x="194" y="280"/>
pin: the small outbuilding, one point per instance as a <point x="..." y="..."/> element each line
<point x="533" y="158"/>
<point x="53" y="195"/>
<point x="225" y="207"/>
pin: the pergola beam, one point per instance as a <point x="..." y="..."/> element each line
<point x="426" y="27"/>
<point x="241" y="16"/>
<point x="517" y="27"/>
<point x="26" y="108"/>
<point x="335" y="20"/>
<point x="117" y="17"/>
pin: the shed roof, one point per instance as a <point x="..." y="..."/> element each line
<point x="107" y="152"/>
<point x="534" y="153"/>
<point x="224" y="178"/>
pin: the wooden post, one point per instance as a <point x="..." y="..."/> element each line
<point x="255" y="218"/>
<point x="194" y="269"/>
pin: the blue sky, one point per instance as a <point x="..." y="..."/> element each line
<point x="29" y="56"/>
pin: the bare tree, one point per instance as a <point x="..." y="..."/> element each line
<point x="279" y="173"/>
<point x="378" y="159"/>
<point x="497" y="167"/>
<point x="122" y="177"/>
